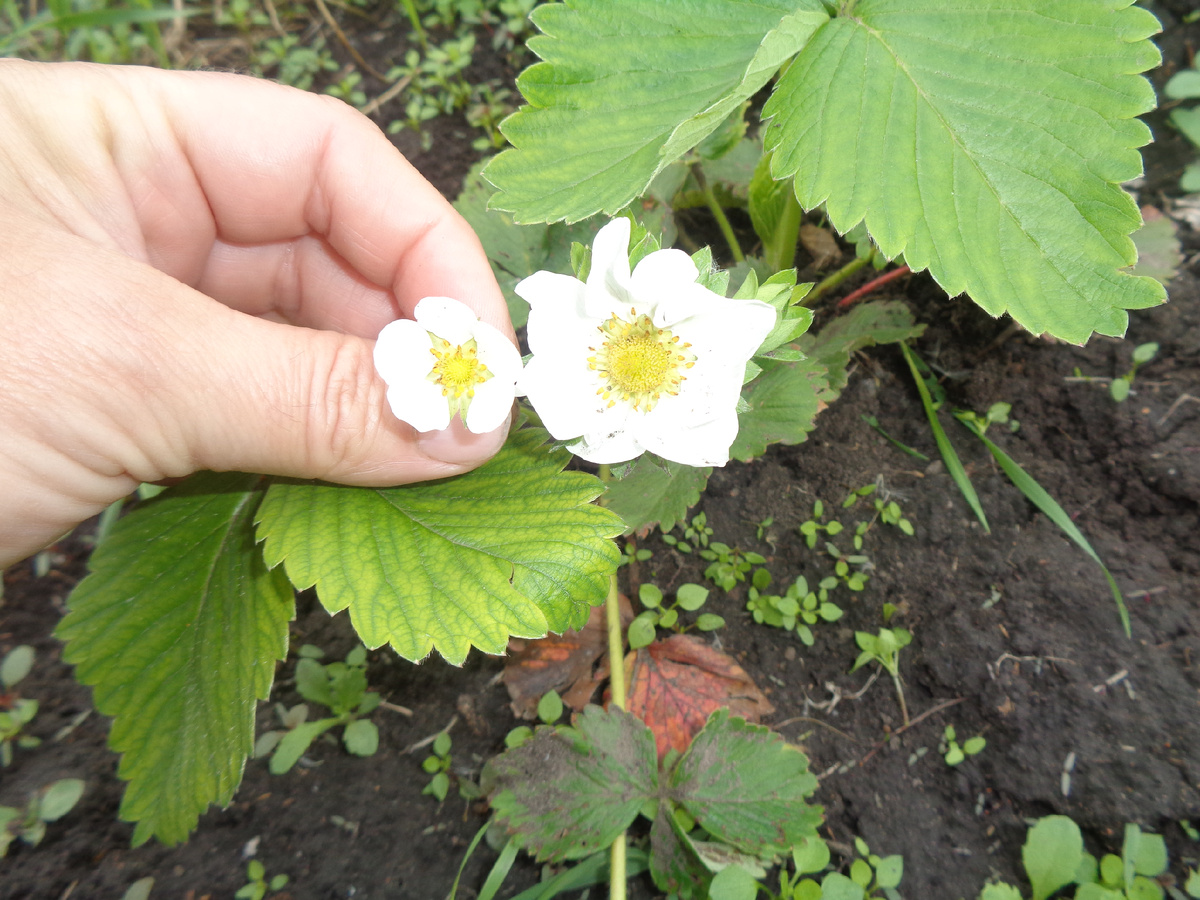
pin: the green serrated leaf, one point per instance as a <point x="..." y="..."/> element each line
<point x="181" y="665"/>
<point x="746" y="786"/>
<point x="882" y="322"/>
<point x="656" y="492"/>
<point x="570" y="791"/>
<point x="511" y="549"/>
<point x="626" y="87"/>
<point x="987" y="144"/>
<point x="674" y="864"/>
<point x="784" y="401"/>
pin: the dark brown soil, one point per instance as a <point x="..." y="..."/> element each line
<point x="1016" y="638"/>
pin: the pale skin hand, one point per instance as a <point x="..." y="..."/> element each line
<point x="193" y="268"/>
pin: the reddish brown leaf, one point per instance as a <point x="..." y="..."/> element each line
<point x="676" y="683"/>
<point x="565" y="663"/>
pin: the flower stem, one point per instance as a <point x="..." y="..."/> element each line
<point x="718" y="213"/>
<point x="616" y="680"/>
<point x="836" y="278"/>
<point x="781" y="254"/>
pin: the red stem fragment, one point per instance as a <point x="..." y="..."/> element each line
<point x="872" y="285"/>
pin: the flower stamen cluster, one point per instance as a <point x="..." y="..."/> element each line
<point x="639" y="362"/>
<point x="457" y="368"/>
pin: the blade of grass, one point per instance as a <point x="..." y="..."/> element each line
<point x="949" y="456"/>
<point x="1037" y="495"/>
<point x="899" y="445"/>
<point x="96" y="18"/>
<point x="495" y="879"/>
<point x="588" y="873"/>
<point x="466" y="856"/>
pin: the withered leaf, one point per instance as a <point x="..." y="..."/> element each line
<point x="675" y="684"/>
<point x="566" y="663"/>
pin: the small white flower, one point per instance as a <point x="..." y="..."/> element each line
<point x="648" y="360"/>
<point x="447" y="363"/>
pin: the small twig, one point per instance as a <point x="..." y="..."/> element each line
<point x="273" y="15"/>
<point x="1181" y="399"/>
<point x="341" y="36"/>
<point x="837" y="731"/>
<point x="403" y="710"/>
<point x="387" y="96"/>
<point x="425" y="742"/>
<point x="873" y="285"/>
<point x="914" y="723"/>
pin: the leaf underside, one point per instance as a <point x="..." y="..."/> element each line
<point x="985" y="143"/>
<point x="514" y="548"/>
<point x="656" y="492"/>
<point x="178" y="629"/>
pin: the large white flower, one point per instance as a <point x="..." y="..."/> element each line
<point x="648" y="360"/>
<point x="447" y="363"/>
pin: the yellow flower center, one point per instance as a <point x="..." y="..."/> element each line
<point x="639" y="362"/>
<point x="457" y="370"/>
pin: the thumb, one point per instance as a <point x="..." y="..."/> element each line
<point x="253" y="395"/>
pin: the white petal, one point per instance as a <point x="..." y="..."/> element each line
<point x="733" y="329"/>
<point x="704" y="444"/>
<point x="497" y="352"/>
<point x="450" y="319"/>
<point x="564" y="396"/>
<point x="490" y="406"/>
<point x="607" y="448"/>
<point x="420" y="404"/>
<point x="556" y="312"/>
<point x="402" y="352"/>
<point x="662" y="273"/>
<point x="608" y="278"/>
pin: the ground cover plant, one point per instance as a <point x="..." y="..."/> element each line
<point x="792" y="376"/>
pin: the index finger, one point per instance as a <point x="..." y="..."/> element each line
<point x="308" y="196"/>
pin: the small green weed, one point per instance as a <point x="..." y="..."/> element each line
<point x="341" y="686"/>
<point x="810" y="529"/>
<point x="798" y="609"/>
<point x="1054" y="858"/>
<point x="1119" y="387"/>
<point x="953" y="752"/>
<point x="437" y="764"/>
<point x="727" y="566"/>
<point x="689" y="597"/>
<point x="695" y="535"/>
<point x="884" y="648"/>
<point x="257" y="885"/>
<point x="49" y="804"/>
<point x="15" y="711"/>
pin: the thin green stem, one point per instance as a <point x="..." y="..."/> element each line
<point x="718" y="213"/>
<point x="415" y="18"/>
<point x="900" y="697"/>
<point x="781" y="253"/>
<point x="616" y="679"/>
<point x="836" y="278"/>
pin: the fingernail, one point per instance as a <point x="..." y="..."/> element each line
<point x="456" y="444"/>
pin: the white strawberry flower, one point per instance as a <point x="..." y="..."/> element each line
<point x="647" y="360"/>
<point x="446" y="362"/>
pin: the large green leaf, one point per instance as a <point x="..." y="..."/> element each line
<point x="985" y="142"/>
<point x="746" y="786"/>
<point x="784" y="401"/>
<point x="570" y="791"/>
<point x="881" y="322"/>
<point x="177" y="629"/>
<point x="656" y="492"/>
<point x="626" y="87"/>
<point x="513" y="548"/>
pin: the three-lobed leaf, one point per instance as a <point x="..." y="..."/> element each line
<point x="986" y="144"/>
<point x="514" y="548"/>
<point x="177" y="629"/>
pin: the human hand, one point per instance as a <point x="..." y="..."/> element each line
<point x="192" y="271"/>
